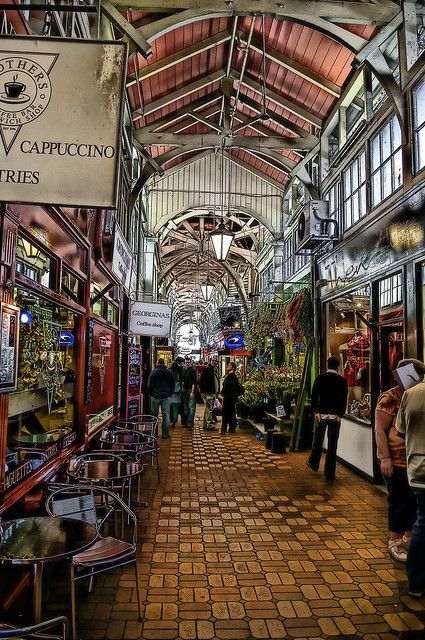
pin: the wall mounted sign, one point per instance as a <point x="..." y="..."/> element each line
<point x="230" y="317"/>
<point x="9" y="322"/>
<point x="60" y="120"/>
<point x="150" y="319"/>
<point x="122" y="258"/>
<point x="234" y="341"/>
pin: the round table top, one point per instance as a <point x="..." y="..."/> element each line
<point x="104" y="470"/>
<point x="43" y="539"/>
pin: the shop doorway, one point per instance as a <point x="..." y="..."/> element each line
<point x="391" y="351"/>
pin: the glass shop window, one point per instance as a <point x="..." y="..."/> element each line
<point x="72" y="287"/>
<point x="386" y="161"/>
<point x="354" y="183"/>
<point x="419" y="125"/>
<point x="349" y="341"/>
<point x="391" y="328"/>
<point x="41" y="411"/>
<point x="33" y="263"/>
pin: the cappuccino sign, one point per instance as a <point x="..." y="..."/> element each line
<point x="60" y="120"/>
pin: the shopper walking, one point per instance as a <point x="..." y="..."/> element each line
<point x="161" y="386"/>
<point x="391" y="452"/>
<point x="176" y="398"/>
<point x="410" y="424"/>
<point x="230" y="392"/>
<point x="328" y="402"/>
<point x="208" y="389"/>
<point x="188" y="394"/>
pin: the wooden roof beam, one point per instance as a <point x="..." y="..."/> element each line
<point x="179" y="94"/>
<point x="183" y="112"/>
<point x="363" y="12"/>
<point x="177" y="58"/>
<point x="201" y="140"/>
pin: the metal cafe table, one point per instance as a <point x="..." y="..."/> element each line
<point x="36" y="541"/>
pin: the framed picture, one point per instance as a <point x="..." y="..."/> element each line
<point x="9" y="338"/>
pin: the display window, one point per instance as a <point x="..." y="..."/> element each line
<point x="391" y="327"/>
<point x="349" y="340"/>
<point x="42" y="410"/>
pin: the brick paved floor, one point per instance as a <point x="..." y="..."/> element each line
<point x="240" y="543"/>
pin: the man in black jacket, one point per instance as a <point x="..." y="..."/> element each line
<point x="230" y="391"/>
<point x="188" y="393"/>
<point x="328" y="402"/>
<point x="161" y="387"/>
<point x="208" y="389"/>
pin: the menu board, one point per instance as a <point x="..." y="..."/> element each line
<point x="134" y="382"/>
<point x="8" y="347"/>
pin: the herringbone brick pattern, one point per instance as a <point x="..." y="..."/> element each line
<point x="241" y="543"/>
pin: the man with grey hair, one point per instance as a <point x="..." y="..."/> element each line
<point x="411" y="426"/>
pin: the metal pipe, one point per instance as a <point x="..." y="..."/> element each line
<point x="243" y="69"/>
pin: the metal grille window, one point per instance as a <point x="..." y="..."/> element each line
<point x="419" y="125"/>
<point x="300" y="261"/>
<point x="354" y="180"/>
<point x="386" y="161"/>
<point x="390" y="291"/>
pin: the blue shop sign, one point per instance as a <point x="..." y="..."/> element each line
<point x="234" y="341"/>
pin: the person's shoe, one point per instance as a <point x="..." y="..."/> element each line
<point x="417" y="594"/>
<point x="308" y="463"/>
<point x="397" y="551"/>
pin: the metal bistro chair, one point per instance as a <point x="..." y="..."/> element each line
<point x="129" y="444"/>
<point x="38" y="630"/>
<point x="107" y="553"/>
<point x="148" y="425"/>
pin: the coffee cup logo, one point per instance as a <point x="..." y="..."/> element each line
<point x="14" y="89"/>
<point x="25" y="91"/>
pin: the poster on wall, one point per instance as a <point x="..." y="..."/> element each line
<point x="150" y="319"/>
<point x="9" y="322"/>
<point x="60" y="120"/>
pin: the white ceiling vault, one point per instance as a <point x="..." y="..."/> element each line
<point x="253" y="80"/>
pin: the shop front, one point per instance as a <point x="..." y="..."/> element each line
<point x="371" y="318"/>
<point x="59" y="343"/>
<point x="42" y="329"/>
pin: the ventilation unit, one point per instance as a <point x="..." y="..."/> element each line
<point x="314" y="225"/>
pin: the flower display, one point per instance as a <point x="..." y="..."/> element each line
<point x="292" y="321"/>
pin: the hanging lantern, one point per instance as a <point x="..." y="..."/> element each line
<point x="207" y="289"/>
<point x="221" y="240"/>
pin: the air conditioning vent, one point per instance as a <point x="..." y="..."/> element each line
<point x="314" y="226"/>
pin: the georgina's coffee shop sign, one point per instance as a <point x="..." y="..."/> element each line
<point x="60" y="120"/>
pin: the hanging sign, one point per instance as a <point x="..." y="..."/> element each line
<point x="60" y="120"/>
<point x="150" y="319"/>
<point x="122" y="258"/>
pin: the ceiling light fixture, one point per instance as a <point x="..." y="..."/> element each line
<point x="221" y="237"/>
<point x="207" y="286"/>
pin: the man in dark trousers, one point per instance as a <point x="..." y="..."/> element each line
<point x="161" y="384"/>
<point x="230" y="392"/>
<point x="188" y="394"/>
<point x="328" y="402"/>
<point x="208" y="389"/>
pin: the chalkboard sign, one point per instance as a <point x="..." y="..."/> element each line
<point x="134" y="382"/>
<point x="133" y="407"/>
<point x="134" y="372"/>
<point x="8" y="347"/>
<point x="89" y="361"/>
